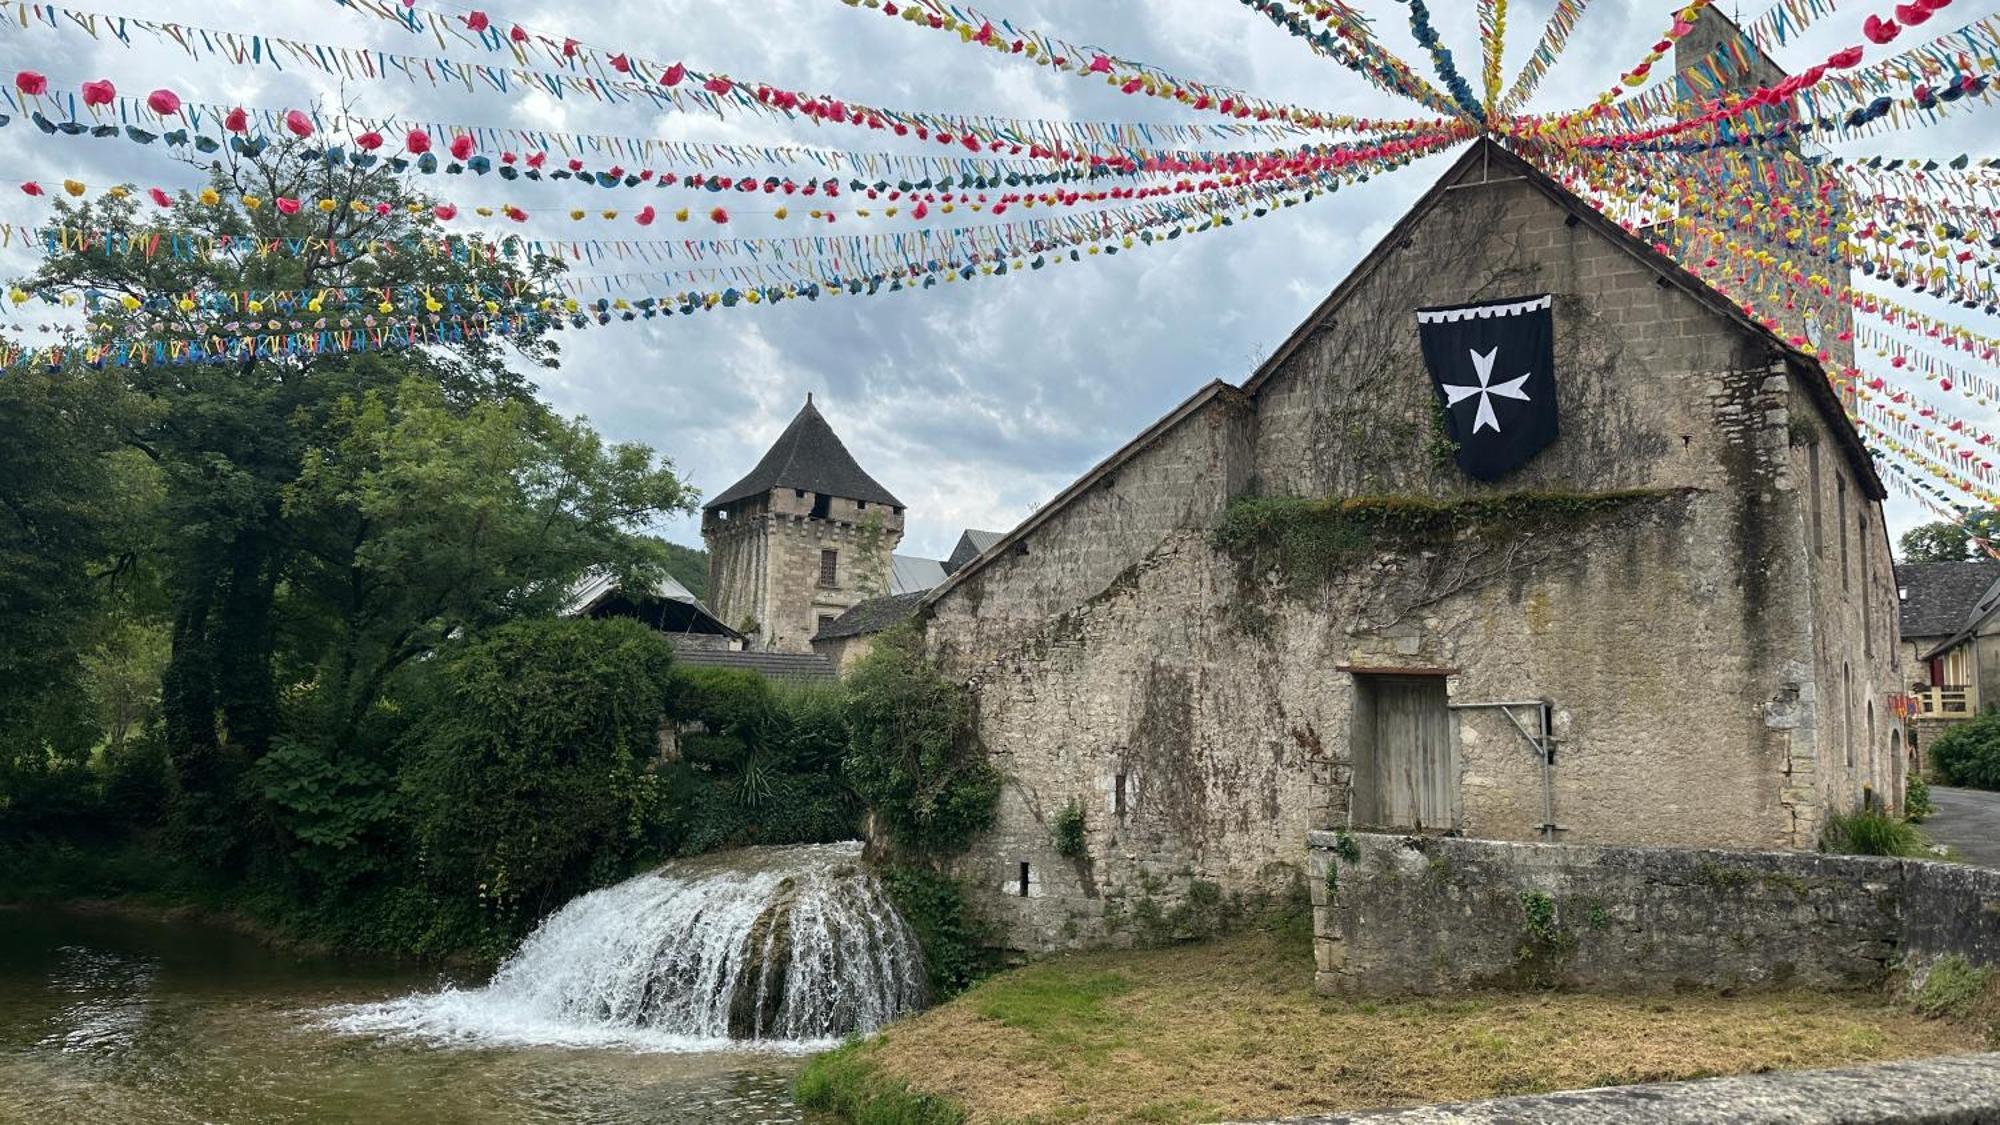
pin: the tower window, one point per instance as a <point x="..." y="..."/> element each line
<point x="1118" y="795"/>
<point x="861" y="505"/>
<point x="829" y="568"/>
<point x="1024" y="878"/>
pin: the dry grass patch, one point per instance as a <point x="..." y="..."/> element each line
<point x="1233" y="1029"/>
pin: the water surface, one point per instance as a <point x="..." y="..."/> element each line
<point x="110" y="1019"/>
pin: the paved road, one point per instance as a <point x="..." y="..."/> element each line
<point x="1969" y="821"/>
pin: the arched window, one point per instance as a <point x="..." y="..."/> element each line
<point x="1847" y="710"/>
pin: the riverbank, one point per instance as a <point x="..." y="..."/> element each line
<point x="1233" y="1029"/>
<point x="136" y="880"/>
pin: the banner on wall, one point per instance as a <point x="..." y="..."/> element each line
<point x="1493" y="366"/>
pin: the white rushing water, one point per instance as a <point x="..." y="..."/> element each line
<point x="777" y="947"/>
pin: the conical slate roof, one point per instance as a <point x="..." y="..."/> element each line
<point x="807" y="455"/>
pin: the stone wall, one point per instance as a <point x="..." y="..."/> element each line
<point x="1426" y="914"/>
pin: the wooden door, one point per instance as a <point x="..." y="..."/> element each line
<point x="1414" y="770"/>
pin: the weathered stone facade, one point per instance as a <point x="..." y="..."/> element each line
<point x="1713" y="639"/>
<point x="806" y="536"/>
<point x="765" y="556"/>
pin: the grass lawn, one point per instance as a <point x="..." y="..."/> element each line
<point x="1232" y="1029"/>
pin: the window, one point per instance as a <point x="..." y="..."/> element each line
<point x="829" y="568"/>
<point x="1118" y="795"/>
<point x="822" y="505"/>
<point x="861" y="505"/>
<point x="1024" y="878"/>
<point x="1841" y="517"/>
<point x="825" y="621"/>
<point x="1406" y="768"/>
<point x="1813" y="482"/>
<point x="1847" y="705"/>
<point x="1867" y="596"/>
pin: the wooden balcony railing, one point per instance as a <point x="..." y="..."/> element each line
<point x="1944" y="702"/>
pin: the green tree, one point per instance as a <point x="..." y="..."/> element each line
<point x="911" y="753"/>
<point x="529" y="777"/>
<point x="1950" y="542"/>
<point x="59" y="504"/>
<point x="688" y="566"/>
<point x="325" y="520"/>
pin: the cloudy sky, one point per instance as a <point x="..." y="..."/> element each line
<point x="972" y="403"/>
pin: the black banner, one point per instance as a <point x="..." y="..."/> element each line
<point x="1493" y="365"/>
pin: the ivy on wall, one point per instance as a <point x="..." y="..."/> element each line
<point x="1310" y="541"/>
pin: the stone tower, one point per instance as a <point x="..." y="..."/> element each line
<point x="1717" y="54"/>
<point x="805" y="536"/>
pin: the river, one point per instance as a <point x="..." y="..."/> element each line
<point x="112" y="1019"/>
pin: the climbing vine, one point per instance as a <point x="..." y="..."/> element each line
<point x="1069" y="830"/>
<point x="1311" y="541"/>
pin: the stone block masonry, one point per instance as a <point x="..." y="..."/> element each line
<point x="1426" y="914"/>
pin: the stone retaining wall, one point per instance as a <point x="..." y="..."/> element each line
<point x="1423" y="914"/>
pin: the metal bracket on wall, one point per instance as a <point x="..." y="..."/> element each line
<point x="1541" y="738"/>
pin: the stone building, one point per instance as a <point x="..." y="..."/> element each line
<point x="1951" y="643"/>
<point x="1284" y="606"/>
<point x="803" y="538"/>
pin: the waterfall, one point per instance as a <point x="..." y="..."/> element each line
<point x="779" y="946"/>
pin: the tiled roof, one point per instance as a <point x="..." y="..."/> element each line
<point x="1938" y="597"/>
<point x="770" y="665"/>
<point x="808" y="456"/>
<point x="871" y="616"/>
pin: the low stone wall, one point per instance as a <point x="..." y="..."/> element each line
<point x="1946" y="1091"/>
<point x="1402" y="914"/>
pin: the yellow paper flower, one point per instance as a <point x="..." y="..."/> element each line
<point x="432" y="304"/>
<point x="314" y="305"/>
<point x="210" y="196"/>
<point x="251" y="202"/>
<point x="385" y="307"/>
<point x="256" y="308"/>
<point x="327" y="205"/>
<point x="780" y="213"/>
<point x="681" y="216"/>
<point x="576" y="214"/>
<point x="18" y="296"/>
<point x="187" y="305"/>
<point x="74" y="187"/>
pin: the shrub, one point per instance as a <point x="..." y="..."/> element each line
<point x="528" y="777"/>
<point x="910" y="752"/>
<point x="1917" y="800"/>
<point x="1969" y="753"/>
<point x="1069" y="830"/>
<point x="1872" y="833"/>
<point x="956" y="950"/>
